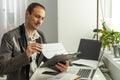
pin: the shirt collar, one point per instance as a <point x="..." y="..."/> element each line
<point x="36" y="35"/>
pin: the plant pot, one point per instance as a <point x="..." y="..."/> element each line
<point x="119" y="50"/>
<point x="116" y="51"/>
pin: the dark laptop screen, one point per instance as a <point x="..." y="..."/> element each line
<point x="90" y="49"/>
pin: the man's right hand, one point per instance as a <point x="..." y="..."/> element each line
<point x="33" y="48"/>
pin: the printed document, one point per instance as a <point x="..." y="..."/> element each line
<point x="52" y="49"/>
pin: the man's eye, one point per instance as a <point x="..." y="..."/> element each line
<point x="37" y="16"/>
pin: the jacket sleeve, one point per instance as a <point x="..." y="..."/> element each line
<point x="8" y="62"/>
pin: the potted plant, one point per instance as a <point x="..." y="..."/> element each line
<point x="108" y="36"/>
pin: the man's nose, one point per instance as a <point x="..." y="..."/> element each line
<point x="40" y="21"/>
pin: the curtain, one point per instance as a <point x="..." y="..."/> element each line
<point x="115" y="12"/>
<point x="11" y="14"/>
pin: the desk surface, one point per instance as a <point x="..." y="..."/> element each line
<point x="39" y="76"/>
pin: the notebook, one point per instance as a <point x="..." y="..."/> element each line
<point x="57" y="58"/>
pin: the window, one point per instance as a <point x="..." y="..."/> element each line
<point x="116" y="14"/>
<point x="112" y="13"/>
<point x="11" y="14"/>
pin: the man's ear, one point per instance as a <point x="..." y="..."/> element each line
<point x="27" y="13"/>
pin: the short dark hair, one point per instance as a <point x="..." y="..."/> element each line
<point x="32" y="6"/>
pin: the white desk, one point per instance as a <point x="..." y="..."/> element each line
<point x="39" y="76"/>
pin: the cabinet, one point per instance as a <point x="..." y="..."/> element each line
<point x="113" y="64"/>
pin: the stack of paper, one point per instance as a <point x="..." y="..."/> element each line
<point x="85" y="62"/>
<point x="65" y="76"/>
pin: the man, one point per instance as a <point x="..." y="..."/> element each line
<point x="21" y="47"/>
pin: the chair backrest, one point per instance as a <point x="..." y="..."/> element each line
<point x="90" y="49"/>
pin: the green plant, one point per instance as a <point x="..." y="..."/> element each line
<point x="108" y="37"/>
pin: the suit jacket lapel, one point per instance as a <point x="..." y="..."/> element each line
<point x="22" y="40"/>
<point x="23" y="45"/>
<point x="39" y="40"/>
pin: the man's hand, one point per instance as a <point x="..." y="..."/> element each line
<point x="62" y="67"/>
<point x="33" y="48"/>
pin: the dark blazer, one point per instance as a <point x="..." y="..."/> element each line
<point x="13" y="60"/>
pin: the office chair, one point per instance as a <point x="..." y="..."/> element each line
<point x="89" y="49"/>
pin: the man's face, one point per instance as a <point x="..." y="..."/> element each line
<point x="35" y="19"/>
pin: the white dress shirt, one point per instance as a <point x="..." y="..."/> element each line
<point x="33" y="65"/>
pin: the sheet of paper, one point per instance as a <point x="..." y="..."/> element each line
<point x="52" y="49"/>
<point x="91" y="63"/>
<point x="65" y="76"/>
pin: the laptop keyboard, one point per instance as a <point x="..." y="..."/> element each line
<point x="84" y="73"/>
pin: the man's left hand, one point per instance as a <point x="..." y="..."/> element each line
<point x="62" y="67"/>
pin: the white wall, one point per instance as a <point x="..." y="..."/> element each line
<point x="76" y="19"/>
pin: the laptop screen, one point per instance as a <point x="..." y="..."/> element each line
<point x="90" y="49"/>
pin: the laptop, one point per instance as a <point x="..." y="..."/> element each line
<point x="85" y="72"/>
<point x="89" y="50"/>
